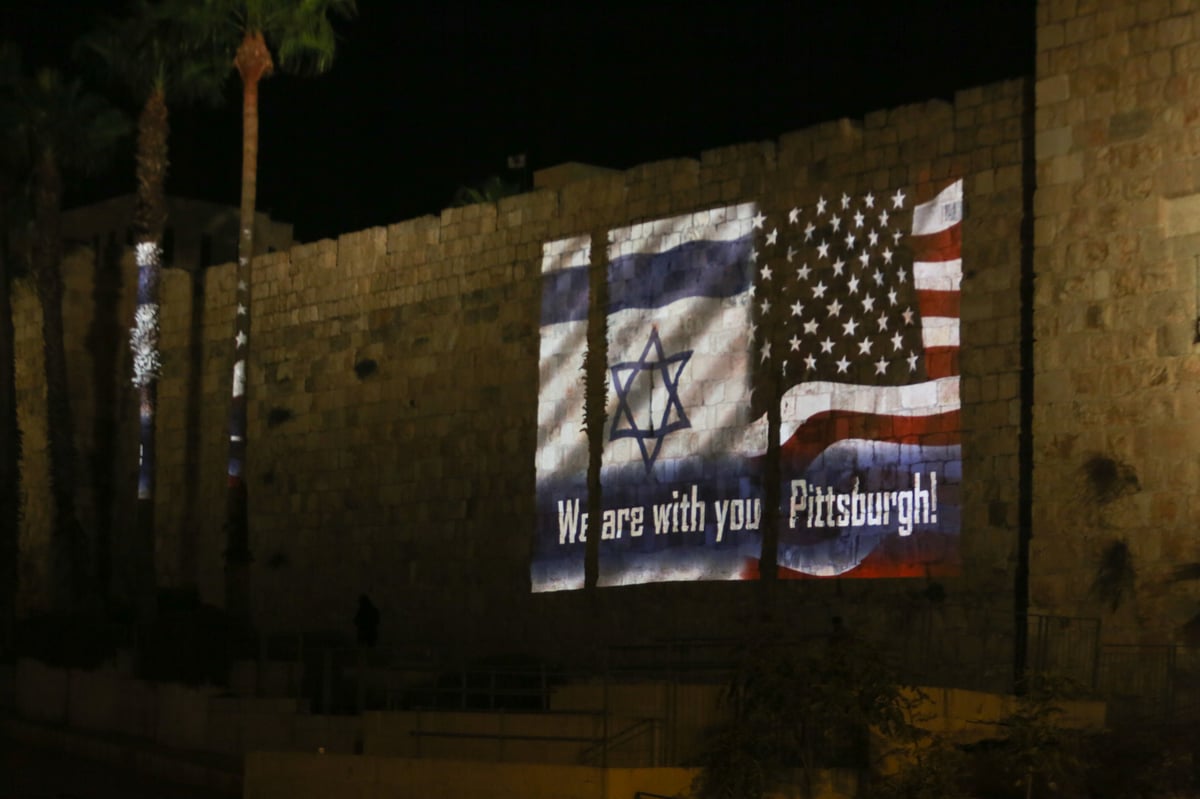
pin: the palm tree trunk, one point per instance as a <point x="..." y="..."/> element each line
<point x="253" y="63"/>
<point x="69" y="544"/>
<point x="149" y="220"/>
<point x="595" y="376"/>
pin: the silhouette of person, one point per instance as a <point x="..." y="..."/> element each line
<point x="366" y="621"/>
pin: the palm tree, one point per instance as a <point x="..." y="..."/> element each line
<point x="154" y="53"/>
<point x="299" y="34"/>
<point x="57" y="127"/>
<point x="490" y="190"/>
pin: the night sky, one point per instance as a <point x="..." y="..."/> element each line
<point x="427" y="97"/>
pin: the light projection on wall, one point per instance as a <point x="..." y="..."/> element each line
<point x="852" y="301"/>
<point x="868" y="320"/>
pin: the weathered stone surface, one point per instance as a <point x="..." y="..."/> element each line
<point x="1134" y="346"/>
<point x="413" y="478"/>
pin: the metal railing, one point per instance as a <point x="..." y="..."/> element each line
<point x="1065" y="646"/>
<point x="649" y="728"/>
<point x="948" y="647"/>
<point x="343" y="679"/>
<point x="1139" y="682"/>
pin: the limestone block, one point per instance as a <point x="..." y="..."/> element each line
<point x="1080" y="28"/>
<point x="601" y="191"/>
<point x="1051" y="143"/>
<point x="965" y="100"/>
<point x="1173" y="31"/>
<point x="1061" y="169"/>
<point x="1051" y="90"/>
<point x="1050" y="36"/>
<point x="1056" y="10"/>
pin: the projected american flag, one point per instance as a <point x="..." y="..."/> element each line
<point x="857" y="309"/>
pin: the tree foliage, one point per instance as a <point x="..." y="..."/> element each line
<point x="488" y="191"/>
<point x="55" y="127"/>
<point x="158" y="55"/>
<point x="158" y="45"/>
<point x="1041" y="756"/>
<point x="299" y="33"/>
<point x="792" y="711"/>
<point x="1034" y="755"/>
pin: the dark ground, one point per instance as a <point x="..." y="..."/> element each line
<point x="31" y="773"/>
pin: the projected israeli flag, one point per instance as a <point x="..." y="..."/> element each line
<point x="680" y="501"/>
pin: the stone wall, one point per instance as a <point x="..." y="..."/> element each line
<point x="394" y="385"/>
<point x="1117" y="439"/>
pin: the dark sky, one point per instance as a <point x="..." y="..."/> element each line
<point x="426" y="97"/>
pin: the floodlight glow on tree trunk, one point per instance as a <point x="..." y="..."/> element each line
<point x="253" y="62"/>
<point x="147" y="363"/>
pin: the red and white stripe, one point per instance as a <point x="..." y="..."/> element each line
<point x="937" y="276"/>
<point x="928" y="412"/>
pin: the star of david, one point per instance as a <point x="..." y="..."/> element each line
<point x="653" y="365"/>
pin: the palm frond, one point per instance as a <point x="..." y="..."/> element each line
<point x="164" y="45"/>
<point x="489" y="191"/>
<point x="10" y="63"/>
<point x="299" y="32"/>
<point x="51" y="112"/>
<point x="303" y="35"/>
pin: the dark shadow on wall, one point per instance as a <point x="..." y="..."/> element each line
<point x="190" y="527"/>
<point x="1025" y="429"/>
<point x="104" y="338"/>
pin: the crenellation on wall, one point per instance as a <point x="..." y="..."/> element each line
<point x="482" y="219"/>
<point x="593" y="194"/>
<point x="540" y="205"/>
<point x="659" y="177"/>
<point x="407" y="240"/>
<point x="358" y="254"/>
<point x="794" y="151"/>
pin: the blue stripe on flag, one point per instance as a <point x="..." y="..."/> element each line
<point x="565" y="295"/>
<point x="652" y="280"/>
<point x="694" y="269"/>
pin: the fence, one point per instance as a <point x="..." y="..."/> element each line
<point x="949" y="646"/>
<point x="942" y="646"/>
<point x="1065" y="647"/>
<point x="1140" y="682"/>
<point x="939" y="646"/>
